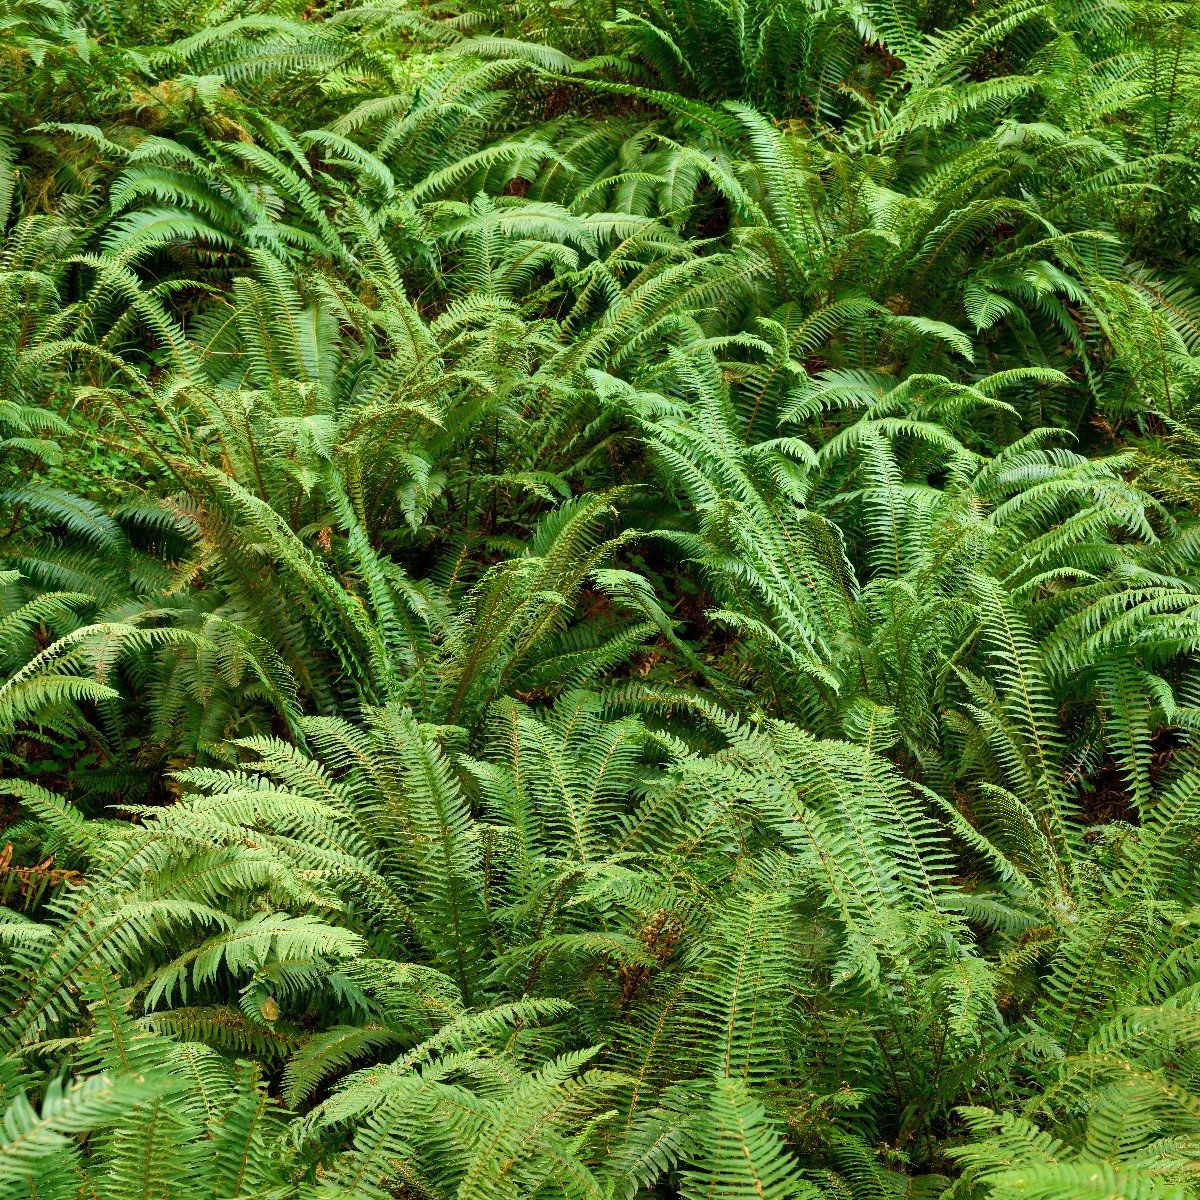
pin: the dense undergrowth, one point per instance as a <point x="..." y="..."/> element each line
<point x="600" y="602"/>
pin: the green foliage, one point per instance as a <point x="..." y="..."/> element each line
<point x="599" y="603"/>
